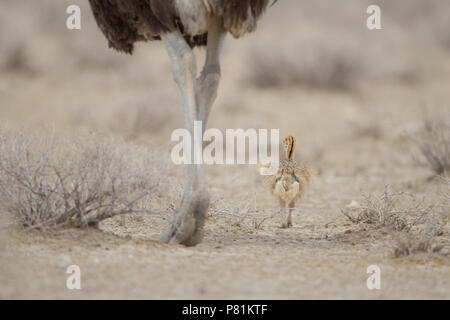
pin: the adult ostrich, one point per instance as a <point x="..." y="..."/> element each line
<point x="183" y="25"/>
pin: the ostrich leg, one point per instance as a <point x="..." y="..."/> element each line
<point x="198" y="95"/>
<point x="208" y="82"/>
<point x="189" y="217"/>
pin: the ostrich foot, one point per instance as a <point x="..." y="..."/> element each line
<point x="187" y="228"/>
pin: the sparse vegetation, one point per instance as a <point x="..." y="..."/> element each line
<point x="433" y="141"/>
<point x="409" y="245"/>
<point x="246" y="210"/>
<point x="425" y="242"/>
<point x="416" y="228"/>
<point x="383" y="210"/>
<point x="45" y="185"/>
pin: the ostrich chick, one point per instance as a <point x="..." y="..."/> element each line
<point x="291" y="181"/>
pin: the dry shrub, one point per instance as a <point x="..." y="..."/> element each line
<point x="242" y="211"/>
<point x="49" y="183"/>
<point x="237" y="212"/>
<point x="415" y="228"/>
<point x="383" y="210"/>
<point x="426" y="241"/>
<point x="433" y="141"/>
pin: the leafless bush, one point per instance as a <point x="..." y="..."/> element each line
<point x="246" y="210"/>
<point x="221" y="208"/>
<point x="46" y="185"/>
<point x="383" y="210"/>
<point x="433" y="141"/>
<point x="415" y="227"/>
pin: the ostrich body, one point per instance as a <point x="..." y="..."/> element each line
<point x="182" y="25"/>
<point x="291" y="181"/>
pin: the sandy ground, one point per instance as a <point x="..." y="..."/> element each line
<point x="354" y="137"/>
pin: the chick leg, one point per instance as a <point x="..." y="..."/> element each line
<point x="286" y="213"/>
<point x="289" y="218"/>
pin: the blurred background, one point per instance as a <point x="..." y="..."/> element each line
<point x="302" y="51"/>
